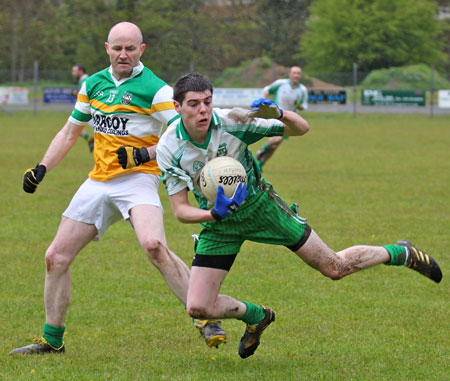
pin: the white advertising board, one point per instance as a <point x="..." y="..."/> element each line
<point x="444" y="99"/>
<point x="235" y="97"/>
<point x="13" y="95"/>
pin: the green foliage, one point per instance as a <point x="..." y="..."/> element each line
<point x="405" y="78"/>
<point x="282" y="24"/>
<point x="180" y="36"/>
<point x="212" y="35"/>
<point x="370" y="180"/>
<point x="374" y="34"/>
<point x="266" y="62"/>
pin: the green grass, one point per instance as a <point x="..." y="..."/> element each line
<point x="370" y="180"/>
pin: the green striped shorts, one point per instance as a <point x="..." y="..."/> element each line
<point x="263" y="218"/>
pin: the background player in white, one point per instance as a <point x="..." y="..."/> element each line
<point x="80" y="75"/>
<point x="255" y="212"/>
<point x="130" y="105"/>
<point x="288" y="94"/>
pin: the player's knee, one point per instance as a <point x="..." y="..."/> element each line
<point x="55" y="261"/>
<point x="335" y="275"/>
<point x="332" y="272"/>
<point x="155" y="249"/>
<point x="197" y="312"/>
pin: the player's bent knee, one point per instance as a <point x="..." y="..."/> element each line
<point x="197" y="312"/>
<point x="155" y="249"/>
<point x="332" y="273"/>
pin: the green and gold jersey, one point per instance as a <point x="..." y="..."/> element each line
<point x="131" y="111"/>
<point x="181" y="159"/>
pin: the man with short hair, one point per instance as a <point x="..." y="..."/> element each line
<point x="255" y="212"/>
<point x="288" y="94"/>
<point x="80" y="75"/>
<point x="128" y="105"/>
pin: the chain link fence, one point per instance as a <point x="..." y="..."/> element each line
<point x="355" y="84"/>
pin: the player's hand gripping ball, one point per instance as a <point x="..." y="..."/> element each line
<point x="224" y="171"/>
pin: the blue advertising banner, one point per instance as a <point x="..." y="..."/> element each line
<point x="327" y="96"/>
<point x="60" y="94"/>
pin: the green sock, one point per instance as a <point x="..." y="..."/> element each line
<point x="86" y="136"/>
<point x="54" y="335"/>
<point x="263" y="150"/>
<point x="398" y="254"/>
<point x="253" y="315"/>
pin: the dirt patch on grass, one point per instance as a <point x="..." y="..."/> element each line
<point x="259" y="73"/>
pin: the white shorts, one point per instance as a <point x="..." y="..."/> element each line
<point x="104" y="203"/>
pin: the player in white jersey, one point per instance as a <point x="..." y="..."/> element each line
<point x="128" y="105"/>
<point x="79" y="73"/>
<point x="255" y="212"/>
<point x="288" y="94"/>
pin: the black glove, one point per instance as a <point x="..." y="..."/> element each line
<point x="130" y="157"/>
<point x="33" y="177"/>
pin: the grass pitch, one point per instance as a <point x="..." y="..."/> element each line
<point x="370" y="180"/>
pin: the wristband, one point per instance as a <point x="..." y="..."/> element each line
<point x="144" y="154"/>
<point x="215" y="215"/>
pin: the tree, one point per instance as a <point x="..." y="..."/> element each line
<point x="374" y="33"/>
<point x="281" y="27"/>
<point x="21" y="21"/>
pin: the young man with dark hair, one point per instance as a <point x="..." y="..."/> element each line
<point x="255" y="212"/>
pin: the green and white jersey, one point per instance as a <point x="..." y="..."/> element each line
<point x="181" y="159"/>
<point x="287" y="97"/>
<point x="131" y="111"/>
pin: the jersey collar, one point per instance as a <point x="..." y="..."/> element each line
<point x="136" y="71"/>
<point x="296" y="87"/>
<point x="183" y="135"/>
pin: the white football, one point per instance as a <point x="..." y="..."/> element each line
<point x="224" y="171"/>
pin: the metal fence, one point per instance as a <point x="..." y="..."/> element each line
<point x="353" y="83"/>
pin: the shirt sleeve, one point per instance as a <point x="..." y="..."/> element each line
<point x="252" y="131"/>
<point x="163" y="107"/>
<point x="82" y="110"/>
<point x="273" y="87"/>
<point x="174" y="178"/>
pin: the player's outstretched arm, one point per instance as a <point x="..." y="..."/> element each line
<point x="58" y="148"/>
<point x="267" y="109"/>
<point x="294" y="124"/>
<point x="61" y="144"/>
